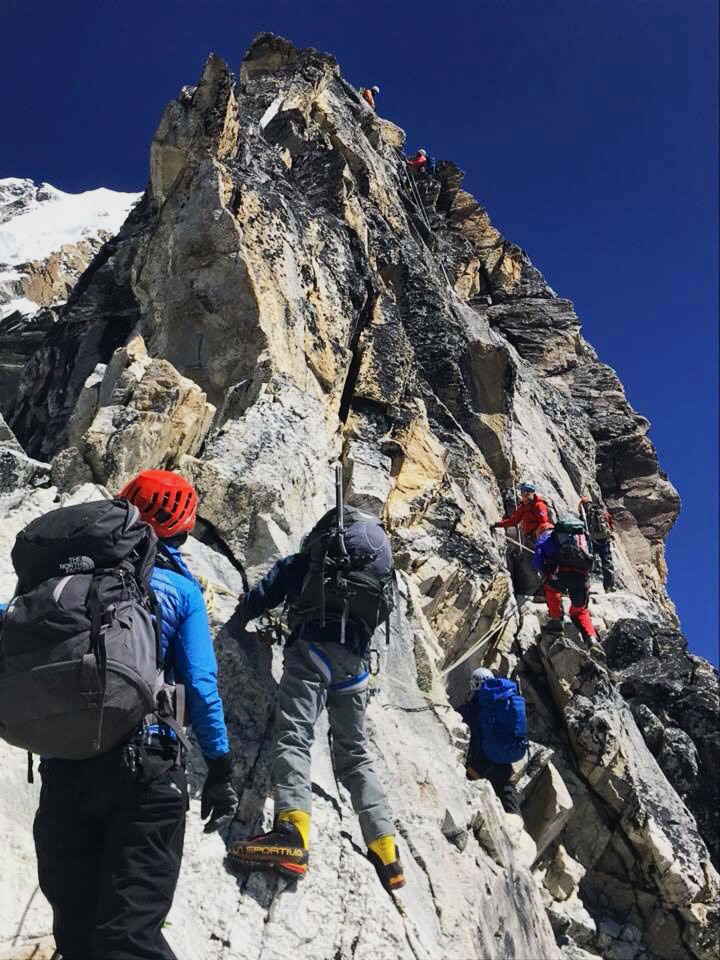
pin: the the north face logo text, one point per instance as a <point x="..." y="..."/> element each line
<point x="77" y="565"/>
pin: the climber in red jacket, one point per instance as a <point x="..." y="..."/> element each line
<point x="530" y="514"/>
<point x="418" y="163"/>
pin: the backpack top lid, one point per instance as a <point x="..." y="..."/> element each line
<point x="80" y="539"/>
<point x="496" y="688"/>
<point x="365" y="537"/>
<point x="568" y="523"/>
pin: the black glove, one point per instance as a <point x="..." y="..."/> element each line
<point x="219" y="801"/>
<point x="495" y="526"/>
<point x="238" y="620"/>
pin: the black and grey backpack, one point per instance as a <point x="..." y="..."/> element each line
<point x="571" y="547"/>
<point x="80" y="646"/>
<point x="351" y="576"/>
<point x="597" y="524"/>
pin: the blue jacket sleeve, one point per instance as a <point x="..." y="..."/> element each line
<point x="196" y="667"/>
<point x="282" y="581"/>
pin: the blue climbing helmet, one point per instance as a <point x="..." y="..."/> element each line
<point x="526" y="487"/>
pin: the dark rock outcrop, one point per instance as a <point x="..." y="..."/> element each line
<point x="675" y="699"/>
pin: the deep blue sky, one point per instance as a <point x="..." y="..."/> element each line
<point x="587" y="128"/>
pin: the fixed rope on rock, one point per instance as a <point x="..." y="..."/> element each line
<point x="497" y="625"/>
<point x="424" y="217"/>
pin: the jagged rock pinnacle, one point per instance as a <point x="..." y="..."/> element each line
<point x="282" y="278"/>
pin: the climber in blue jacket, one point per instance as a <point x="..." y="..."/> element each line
<point x="109" y="831"/>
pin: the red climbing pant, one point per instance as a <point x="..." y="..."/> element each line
<point x="574" y="582"/>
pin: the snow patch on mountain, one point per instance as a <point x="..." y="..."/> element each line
<point x="37" y="221"/>
<point x="47" y="224"/>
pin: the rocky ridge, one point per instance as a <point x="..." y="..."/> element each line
<point x="282" y="297"/>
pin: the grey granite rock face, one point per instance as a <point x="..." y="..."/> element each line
<point x="281" y="266"/>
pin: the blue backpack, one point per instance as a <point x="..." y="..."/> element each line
<point x="502" y="723"/>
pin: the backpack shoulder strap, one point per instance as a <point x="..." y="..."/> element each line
<point x="157" y="613"/>
<point x="167" y="561"/>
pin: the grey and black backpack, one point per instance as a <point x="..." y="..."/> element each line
<point x="571" y="547"/>
<point x="80" y="646"/>
<point x="597" y="524"/>
<point x="351" y="576"/>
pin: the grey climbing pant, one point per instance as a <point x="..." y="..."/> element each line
<point x="318" y="675"/>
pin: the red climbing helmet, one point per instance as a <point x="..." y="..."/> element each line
<point x="166" y="500"/>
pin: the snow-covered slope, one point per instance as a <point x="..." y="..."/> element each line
<point x="47" y="237"/>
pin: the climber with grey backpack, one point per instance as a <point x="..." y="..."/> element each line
<point x="338" y="589"/>
<point x="104" y="642"/>
<point x="600" y="527"/>
<point x="563" y="557"/>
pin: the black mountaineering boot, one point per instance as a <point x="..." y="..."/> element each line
<point x="595" y="648"/>
<point x="555" y="627"/>
<point x="280" y="850"/>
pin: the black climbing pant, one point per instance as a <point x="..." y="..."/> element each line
<point x="480" y="768"/>
<point x="603" y="550"/>
<point x="109" y="840"/>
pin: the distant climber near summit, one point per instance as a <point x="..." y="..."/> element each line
<point x="368" y="94"/>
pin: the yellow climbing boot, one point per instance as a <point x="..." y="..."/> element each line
<point x="299" y="819"/>
<point x="383" y="855"/>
